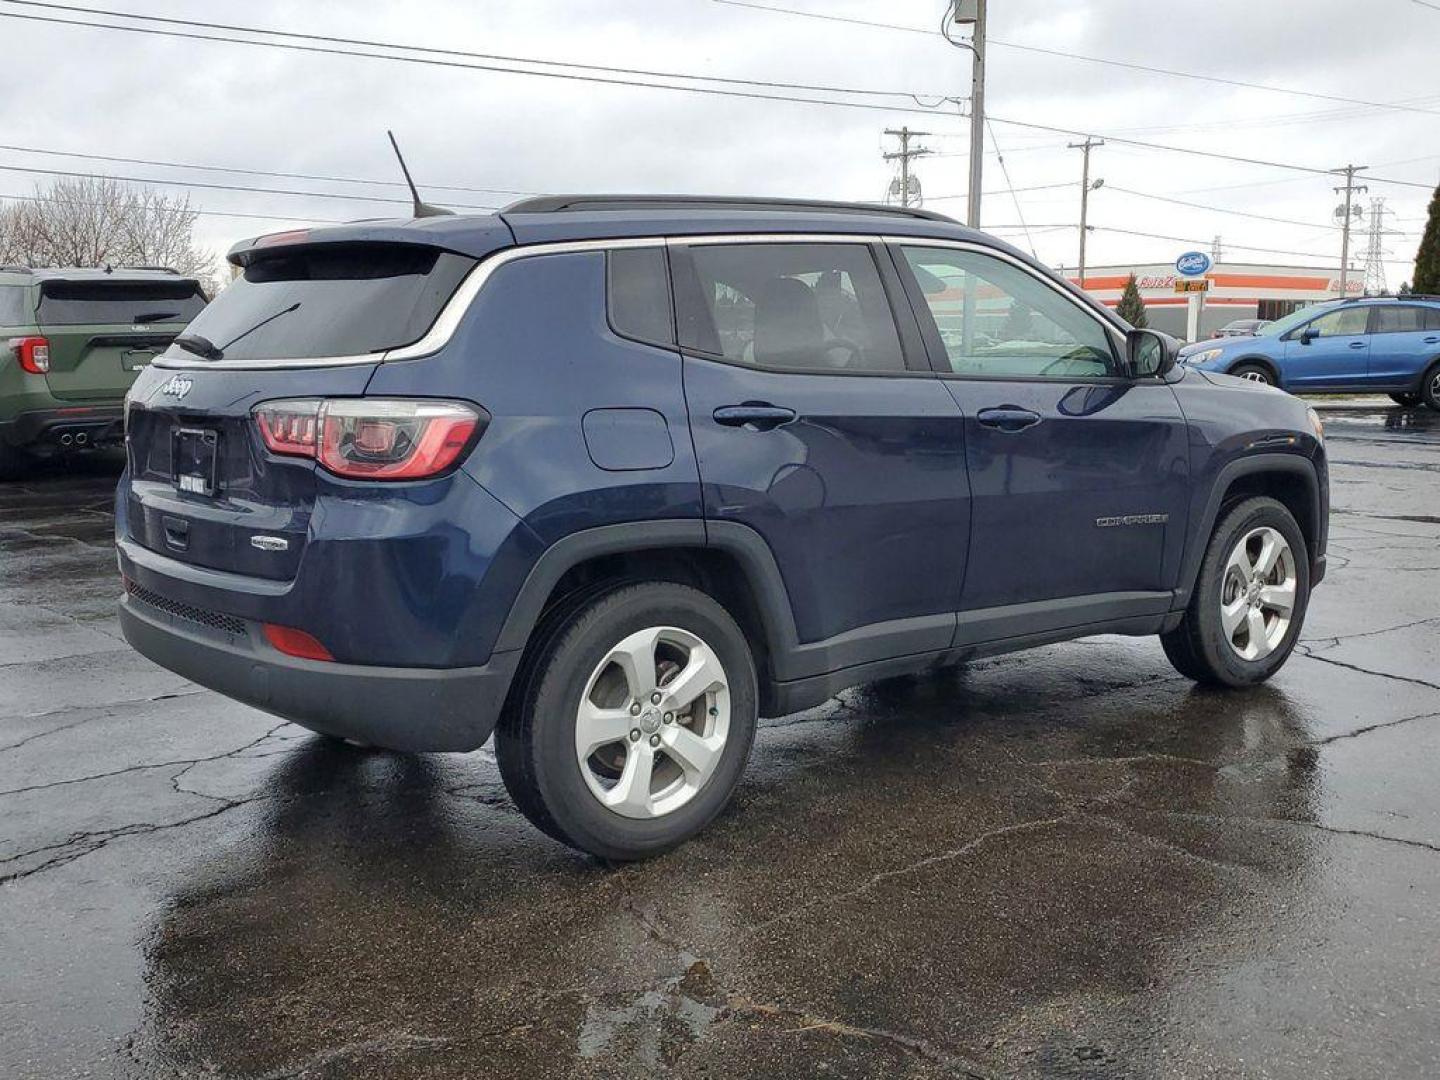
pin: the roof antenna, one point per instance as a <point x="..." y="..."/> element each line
<point x="422" y="209"/>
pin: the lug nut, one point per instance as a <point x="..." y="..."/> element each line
<point x="654" y="740"/>
<point x="655" y="698"/>
<point x="669" y="718"/>
<point x="635" y="708"/>
<point x="635" y="734"/>
<point x="714" y="712"/>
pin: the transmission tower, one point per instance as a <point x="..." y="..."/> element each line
<point x="1375" y="251"/>
<point x="906" y="186"/>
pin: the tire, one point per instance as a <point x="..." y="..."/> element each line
<point x="1407" y="400"/>
<point x="1430" y="387"/>
<point x="1254" y="372"/>
<point x="1200" y="647"/>
<point x="594" y="804"/>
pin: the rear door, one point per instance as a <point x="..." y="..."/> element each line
<point x="1329" y="352"/>
<point x="1404" y="338"/>
<point x="817" y="425"/>
<point x="1078" y="473"/>
<point x="103" y="330"/>
<point x="298" y="323"/>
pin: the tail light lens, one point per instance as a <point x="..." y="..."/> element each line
<point x="294" y="642"/>
<point x="372" y="438"/>
<point x="33" y="354"/>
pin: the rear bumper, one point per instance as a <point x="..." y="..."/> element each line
<point x="73" y="427"/>
<point x="416" y="709"/>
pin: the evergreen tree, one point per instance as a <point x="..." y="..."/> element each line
<point x="1019" y="324"/>
<point x="1427" y="259"/>
<point x="1131" y="307"/>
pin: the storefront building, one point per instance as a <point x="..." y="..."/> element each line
<point x="1236" y="291"/>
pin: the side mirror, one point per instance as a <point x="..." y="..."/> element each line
<point x="1308" y="335"/>
<point x="1150" y="353"/>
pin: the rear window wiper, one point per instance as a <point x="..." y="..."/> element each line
<point x="200" y="346"/>
<point x="153" y="316"/>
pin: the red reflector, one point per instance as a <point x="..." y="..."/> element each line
<point x="294" y="642"/>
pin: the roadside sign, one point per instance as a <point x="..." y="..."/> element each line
<point x="1192" y="263"/>
<point x="1189" y="285"/>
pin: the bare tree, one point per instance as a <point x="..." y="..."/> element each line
<point x="99" y="221"/>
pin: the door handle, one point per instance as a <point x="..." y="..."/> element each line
<point x="1358" y="344"/>
<point x="1431" y="340"/>
<point x="1008" y="418"/>
<point x="754" y="415"/>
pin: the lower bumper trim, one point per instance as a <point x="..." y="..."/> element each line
<point x="412" y="709"/>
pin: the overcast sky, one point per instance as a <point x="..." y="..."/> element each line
<point x="98" y="91"/>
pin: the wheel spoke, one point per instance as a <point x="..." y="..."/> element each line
<point x="631" y="793"/>
<point x="701" y="673"/>
<point x="1280" y="598"/>
<point x="1270" y="548"/>
<point x="697" y="756"/>
<point x="1258" y="646"/>
<point x="636" y="657"/>
<point x="595" y="727"/>
<point x="1240" y="563"/>
<point x="1233" y="614"/>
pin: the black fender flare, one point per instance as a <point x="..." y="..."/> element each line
<point x="743" y="543"/>
<point x="1199" y="538"/>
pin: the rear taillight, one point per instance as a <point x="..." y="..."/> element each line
<point x="33" y="354"/>
<point x="294" y="642"/>
<point x="371" y="438"/>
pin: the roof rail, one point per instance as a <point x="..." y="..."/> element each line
<point x="161" y="269"/>
<point x="550" y="204"/>
<point x="1390" y="296"/>
<point x="16" y="270"/>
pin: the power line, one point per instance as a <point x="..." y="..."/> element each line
<point x="1010" y="186"/>
<point x="433" y="61"/>
<point x="1194" y="240"/>
<point x="183" y="210"/>
<point x="1171" y="72"/>
<point x="289" y="46"/>
<point x="1213" y="209"/>
<point x="229" y="187"/>
<point x="256" y="172"/>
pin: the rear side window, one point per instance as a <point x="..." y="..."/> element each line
<point x="638" y="295"/>
<point x="797" y="307"/>
<point x="14" y="310"/>
<point x="1405" y="320"/>
<point x="82" y="303"/>
<point x="330" y="300"/>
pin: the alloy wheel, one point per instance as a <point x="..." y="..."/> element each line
<point x="652" y="723"/>
<point x="1257" y="593"/>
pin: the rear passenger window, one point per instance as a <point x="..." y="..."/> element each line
<point x="1399" y="320"/>
<point x="1432" y="318"/>
<point x="638" y="295"/>
<point x="795" y="307"/>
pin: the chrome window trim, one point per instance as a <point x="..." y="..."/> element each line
<point x="456" y="308"/>
<point x="1116" y="337"/>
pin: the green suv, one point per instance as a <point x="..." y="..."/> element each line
<point x="71" y="342"/>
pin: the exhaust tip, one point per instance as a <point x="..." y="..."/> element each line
<point x="81" y="438"/>
<point x="66" y="439"/>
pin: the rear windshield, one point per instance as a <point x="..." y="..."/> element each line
<point x="335" y="300"/>
<point x="80" y="303"/>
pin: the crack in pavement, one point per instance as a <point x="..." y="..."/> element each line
<point x="89" y="710"/>
<point x="188" y="764"/>
<point x="1337" y="638"/>
<point x="1305" y="651"/>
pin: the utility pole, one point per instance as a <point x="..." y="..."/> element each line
<point x="972" y="13"/>
<point x="1375" y="250"/>
<point x="908" y="184"/>
<point x="1216" y="250"/>
<point x="1351" y="189"/>
<point x="1085" y="189"/>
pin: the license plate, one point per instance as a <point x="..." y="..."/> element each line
<point x="194" y="456"/>
<point x="135" y="359"/>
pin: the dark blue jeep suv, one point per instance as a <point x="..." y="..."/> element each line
<point x="611" y="477"/>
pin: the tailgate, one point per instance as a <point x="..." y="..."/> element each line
<point x="184" y="424"/>
<point x="102" y="331"/>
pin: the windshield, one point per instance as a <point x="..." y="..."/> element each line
<point x="330" y="300"/>
<point x="1295" y="318"/>
<point x="87" y="303"/>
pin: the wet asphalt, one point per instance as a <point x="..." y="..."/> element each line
<point x="1062" y="863"/>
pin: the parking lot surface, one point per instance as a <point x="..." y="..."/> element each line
<point x="1068" y="862"/>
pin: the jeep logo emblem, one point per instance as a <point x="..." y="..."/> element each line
<point x="177" y="387"/>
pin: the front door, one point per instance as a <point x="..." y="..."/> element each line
<point x="1078" y="473"/>
<point x="1329" y="352"/>
<point x="815" y="427"/>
